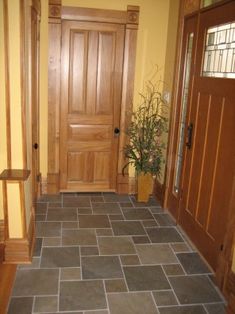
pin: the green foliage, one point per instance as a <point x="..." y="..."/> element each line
<point x="149" y="122"/>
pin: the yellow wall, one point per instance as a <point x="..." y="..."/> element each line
<point x="151" y="49"/>
<point x="15" y="90"/>
<point x="3" y="146"/>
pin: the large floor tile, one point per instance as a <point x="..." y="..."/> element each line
<point x="62" y="214"/>
<point x="46" y="304"/>
<point x="217" y="308"/>
<point x="164" y="220"/>
<point x="82" y="295"/>
<point x="37" y="247"/>
<point x="192" y="263"/>
<point x="79" y="237"/>
<point x="113" y="197"/>
<point x="197" y="309"/>
<point x="152" y="202"/>
<point x="115" y="285"/>
<point x="194" y="289"/>
<point x="106" y="208"/>
<point x="20" y="305"/>
<point x="101" y="267"/>
<point x="48" y="229"/>
<point x="156" y="254"/>
<point x="70" y="274"/>
<point x="137" y="214"/>
<point x="164" y="235"/>
<point x="93" y="221"/>
<point x="115" y="245"/>
<point x="77" y="202"/>
<point x="131" y="303"/>
<point x="36" y="282"/>
<point x="65" y="256"/>
<point x="143" y="278"/>
<point x="164" y="298"/>
<point x="127" y="228"/>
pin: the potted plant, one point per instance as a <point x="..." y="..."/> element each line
<point x="145" y="146"/>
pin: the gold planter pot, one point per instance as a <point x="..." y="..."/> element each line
<point x="145" y="186"/>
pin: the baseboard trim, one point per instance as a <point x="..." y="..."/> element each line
<point x="52" y="184"/>
<point x="2" y="231"/>
<point x="21" y="250"/>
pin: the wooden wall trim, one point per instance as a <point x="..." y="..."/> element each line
<point x="127" y="96"/>
<point x="54" y="100"/>
<point x="7" y="277"/>
<point x="225" y="277"/>
<point x="21" y="250"/>
<point x="23" y="70"/>
<point x="174" y="108"/>
<point x="159" y="191"/>
<point x="93" y="15"/>
<point x="2" y="228"/>
<point x="7" y="82"/>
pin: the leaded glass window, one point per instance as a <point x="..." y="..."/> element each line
<point x="219" y="54"/>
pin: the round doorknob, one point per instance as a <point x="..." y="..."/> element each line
<point x="116" y="131"/>
<point x="35" y="145"/>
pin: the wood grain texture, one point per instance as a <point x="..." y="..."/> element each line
<point x="91" y="71"/>
<point x="7" y="80"/>
<point x="7" y="277"/>
<point x="191" y="6"/>
<point x="127" y="101"/>
<point x="94" y="15"/>
<point x="53" y="105"/>
<point x="19" y="251"/>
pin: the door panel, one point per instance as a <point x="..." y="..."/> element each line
<point x="208" y="164"/>
<point x="92" y="59"/>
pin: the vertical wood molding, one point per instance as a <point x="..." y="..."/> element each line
<point x="23" y="70"/>
<point x="127" y="91"/>
<point x="224" y="275"/>
<point x="169" y="172"/>
<point x="7" y="82"/>
<point x="54" y="96"/>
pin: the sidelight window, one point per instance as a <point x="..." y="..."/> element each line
<point x="179" y="152"/>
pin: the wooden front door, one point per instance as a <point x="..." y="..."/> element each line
<point x="91" y="85"/>
<point x="210" y="137"/>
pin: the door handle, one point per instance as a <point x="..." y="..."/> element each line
<point x="189" y="135"/>
<point x="116" y="131"/>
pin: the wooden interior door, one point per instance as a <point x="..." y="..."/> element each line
<point x="91" y="85"/>
<point x="208" y="166"/>
<point x="35" y="100"/>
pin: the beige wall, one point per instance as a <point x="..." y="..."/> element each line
<point x="152" y="48"/>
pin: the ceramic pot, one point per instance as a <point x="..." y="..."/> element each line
<point x="145" y="186"/>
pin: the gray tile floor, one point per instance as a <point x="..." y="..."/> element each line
<point x="104" y="253"/>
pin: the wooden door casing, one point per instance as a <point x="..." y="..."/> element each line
<point x="91" y="86"/>
<point x="208" y="166"/>
<point x="35" y="101"/>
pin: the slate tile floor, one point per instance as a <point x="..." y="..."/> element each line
<point x="104" y="253"/>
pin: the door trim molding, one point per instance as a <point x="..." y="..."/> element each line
<point x="57" y="13"/>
